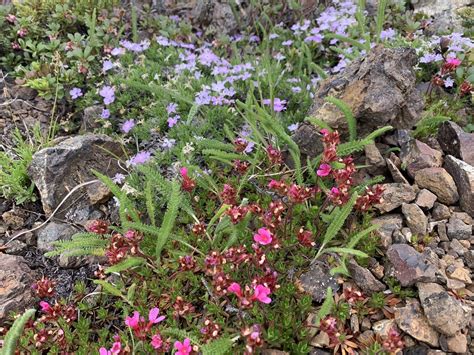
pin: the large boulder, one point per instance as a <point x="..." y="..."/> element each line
<point x="16" y="279"/>
<point x="445" y="14"/>
<point x="58" y="169"/>
<point x="379" y="89"/>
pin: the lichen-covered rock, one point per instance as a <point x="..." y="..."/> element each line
<point x="412" y="321"/>
<point x="444" y="13"/>
<point x="409" y="266"/>
<point x="317" y="280"/>
<point x="379" y="89"/>
<point x="416" y="219"/>
<point x="58" y="169"/>
<point x="16" y="279"/>
<point x="364" y="278"/>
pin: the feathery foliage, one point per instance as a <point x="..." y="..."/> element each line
<point x="9" y="344"/>
<point x="346" y="110"/>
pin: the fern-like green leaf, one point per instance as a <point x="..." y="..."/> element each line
<point x="111" y="289"/>
<point x="220" y="346"/>
<point x="338" y="221"/>
<point x="169" y="218"/>
<point x="326" y="307"/>
<point x="126" y="264"/>
<point x="11" y="339"/>
<point x="180" y="334"/>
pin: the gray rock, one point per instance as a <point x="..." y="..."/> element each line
<point x="388" y="225"/>
<point x="90" y="118"/>
<point x="457" y="247"/>
<point x="416" y="219"/>
<point x="456" y="142"/>
<point x="364" y="278"/>
<point x="446" y="314"/>
<point x="425" y="289"/>
<point x="412" y="321"/>
<point x="409" y="266"/>
<point x="438" y="181"/>
<point x="463" y="175"/>
<point x="425" y="199"/>
<point x="444" y="14"/>
<point x="379" y="89"/>
<point x="442" y="232"/>
<point x="16" y="279"/>
<point x="316" y="281"/>
<point x="374" y="159"/>
<point x="308" y="139"/>
<point x="416" y="155"/>
<point x="440" y="212"/>
<point x="397" y="176"/>
<point x="394" y="196"/>
<point x="53" y="232"/>
<point x="457" y="229"/>
<point x="58" y="169"/>
<point x="457" y="343"/>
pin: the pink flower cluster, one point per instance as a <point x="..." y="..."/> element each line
<point x="249" y="295"/>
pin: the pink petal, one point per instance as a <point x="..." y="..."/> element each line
<point x="153" y="315"/>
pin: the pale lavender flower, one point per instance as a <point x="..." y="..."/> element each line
<point x="388" y="34"/>
<point x="105" y="113"/>
<point x="118" y="178"/>
<point x="254" y="38"/>
<point x="317" y="38"/>
<point x="296" y="89"/>
<point x="287" y="43"/>
<point x="118" y="51"/>
<point x="171" y="108"/>
<point x="293" y="127"/>
<point x="168" y="143"/>
<point x="249" y="147"/>
<point x="140" y="158"/>
<point x="448" y="82"/>
<point x="279" y="57"/>
<point x="107" y="65"/>
<point x="127" y="126"/>
<point x="173" y="120"/>
<point x="278" y="104"/>
<point x="75" y="93"/>
<point x="108" y="93"/>
<point x="273" y="36"/>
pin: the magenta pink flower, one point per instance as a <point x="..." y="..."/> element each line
<point x="184" y="172"/>
<point x="263" y="236"/>
<point x="183" y="348"/>
<point x="324" y="170"/>
<point x="132" y="322"/>
<point x="261" y="293"/>
<point x="156" y="341"/>
<point x="45" y="306"/>
<point x="153" y="316"/>
<point x="235" y="289"/>
<point x="455" y="62"/>
<point x="324" y="132"/>
<point x="115" y="350"/>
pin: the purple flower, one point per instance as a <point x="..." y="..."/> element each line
<point x="128" y="125"/>
<point x="172" y="120"/>
<point x="254" y="38"/>
<point x="105" y="113"/>
<point x="107" y="65"/>
<point x="118" y="51"/>
<point x="287" y="43"/>
<point x="448" y="82"/>
<point x="296" y="89"/>
<point x="273" y="36"/>
<point x="388" y="34"/>
<point x="75" y="93"/>
<point x="249" y="147"/>
<point x="293" y="127"/>
<point x="278" y="104"/>
<point x="118" y="178"/>
<point x="171" y="108"/>
<point x="168" y="143"/>
<point x="317" y="38"/>
<point x="279" y="57"/>
<point x="140" y="158"/>
<point x="108" y="93"/>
